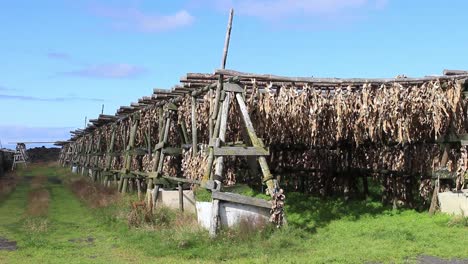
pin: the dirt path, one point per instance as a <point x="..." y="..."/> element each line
<point x="69" y="233"/>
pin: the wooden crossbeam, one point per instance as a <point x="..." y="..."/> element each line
<point x="241" y="151"/>
<point x="237" y="198"/>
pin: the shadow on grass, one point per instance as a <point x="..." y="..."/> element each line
<point x="310" y="212"/>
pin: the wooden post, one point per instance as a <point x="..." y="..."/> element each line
<point x="365" y="185"/>
<point x="181" y="197"/>
<point x="215" y="212"/>
<point x="267" y="176"/>
<point x="194" y="127"/>
<point x="185" y="137"/>
<point x="222" y="134"/>
<point x="164" y="140"/>
<point x="128" y="155"/>
<point x="219" y="163"/>
<point x="154" y="196"/>
<point x="110" y="150"/>
<point x="138" y="182"/>
<point x="208" y="172"/>
<point x="434" y="200"/>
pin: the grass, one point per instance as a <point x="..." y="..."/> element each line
<point x="318" y="231"/>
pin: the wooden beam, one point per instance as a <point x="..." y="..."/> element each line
<point x="270" y="77"/>
<point x="241" y="199"/>
<point x="241" y="151"/>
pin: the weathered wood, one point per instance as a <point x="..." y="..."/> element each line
<point x="241" y="199"/>
<point x="154" y="196"/>
<point x="454" y="72"/>
<point x="227" y="39"/>
<point x="241" y="151"/>
<point x="434" y="200"/>
<point x="181" y="196"/>
<point x="172" y="151"/>
<point x="230" y="87"/>
<point x="222" y="135"/>
<point x="267" y="176"/>
<point x="194" y="127"/>
<point x="177" y="179"/>
<point x="138" y="183"/>
<point x="210" y="160"/>
<point x="214" y="224"/>
<point x="270" y="77"/>
<point x="185" y="136"/>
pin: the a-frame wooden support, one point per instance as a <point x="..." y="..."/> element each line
<point x="163" y="149"/>
<point x="225" y="93"/>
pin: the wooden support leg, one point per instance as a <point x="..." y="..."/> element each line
<point x="219" y="164"/>
<point x="124" y="185"/>
<point x="194" y="127"/>
<point x="365" y="185"/>
<point x="214" y="224"/>
<point x="267" y="176"/>
<point x="138" y="182"/>
<point x="154" y="196"/>
<point x="181" y="197"/>
<point x="120" y="183"/>
<point x="434" y="200"/>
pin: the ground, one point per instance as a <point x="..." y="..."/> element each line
<point x="43" y="221"/>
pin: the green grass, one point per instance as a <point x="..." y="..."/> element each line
<point x="319" y="231"/>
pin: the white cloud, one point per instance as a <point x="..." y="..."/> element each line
<point x="110" y="71"/>
<point x="280" y="10"/>
<point x="136" y="19"/>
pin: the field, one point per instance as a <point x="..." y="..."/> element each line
<point x="52" y="221"/>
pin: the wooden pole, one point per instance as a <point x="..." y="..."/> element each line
<point x="181" y="197"/>
<point x="434" y="200"/>
<point x="267" y="176"/>
<point x="219" y="164"/>
<point x="194" y="127"/>
<point x="227" y="39"/>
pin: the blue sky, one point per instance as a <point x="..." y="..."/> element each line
<point x="61" y="60"/>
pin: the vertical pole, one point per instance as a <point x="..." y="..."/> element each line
<point x="128" y="156"/>
<point x="181" y="197"/>
<point x="194" y="127"/>
<point x="219" y="164"/>
<point x="435" y="200"/>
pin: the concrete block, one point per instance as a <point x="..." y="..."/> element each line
<point x="232" y="214"/>
<point x="454" y="203"/>
<point x="170" y="199"/>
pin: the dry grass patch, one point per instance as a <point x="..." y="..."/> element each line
<point x="96" y="196"/>
<point x="38" y="202"/>
<point x="38" y="182"/>
<point x="7" y="184"/>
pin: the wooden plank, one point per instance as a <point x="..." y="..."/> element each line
<point x="454" y="72"/>
<point x="270" y="77"/>
<point x="241" y="199"/>
<point x="233" y="87"/>
<point x="177" y="179"/>
<point x="172" y="151"/>
<point x="159" y="146"/>
<point x="241" y="151"/>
